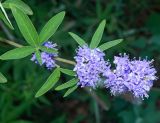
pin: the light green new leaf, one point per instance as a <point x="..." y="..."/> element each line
<point x="48" y="50"/>
<point x="79" y="40"/>
<point x="5" y="20"/>
<point x="19" y="4"/>
<point x="2" y="78"/>
<point x="17" y="53"/>
<point x="6" y="16"/>
<point x="69" y="91"/>
<point x="68" y="72"/>
<point x="109" y="44"/>
<point x="38" y="56"/>
<point x="26" y="27"/>
<point x="52" y="25"/>
<point x="98" y="35"/>
<point x="51" y="81"/>
<point x="68" y="84"/>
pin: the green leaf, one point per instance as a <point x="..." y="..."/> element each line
<point x="48" y="50"/>
<point x="6" y="16"/>
<point x="69" y="91"/>
<point x="98" y="35"/>
<point x="68" y="84"/>
<point x="5" y="20"/>
<point x="19" y="4"/>
<point x="52" y="25"/>
<point x="79" y="40"/>
<point x="2" y="78"/>
<point x="17" y="53"/>
<point x="109" y="44"/>
<point x="38" y="56"/>
<point x="26" y="27"/>
<point x="68" y="72"/>
<point x="51" y="81"/>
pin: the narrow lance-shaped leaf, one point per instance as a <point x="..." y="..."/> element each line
<point x="110" y="44"/>
<point x="19" y="4"/>
<point x="17" y="53"/>
<point x="51" y="81"/>
<point x="26" y="27"/>
<point x="6" y="16"/>
<point x="69" y="91"/>
<point x="5" y="20"/>
<point x="48" y="50"/>
<point x="79" y="40"/>
<point x="68" y="72"/>
<point x="38" y="56"/>
<point x="98" y="35"/>
<point x="50" y="28"/>
<point x="2" y="78"/>
<point x="68" y="84"/>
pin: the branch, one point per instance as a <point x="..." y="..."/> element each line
<point x="93" y="94"/>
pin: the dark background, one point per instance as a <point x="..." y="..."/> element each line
<point x="136" y="21"/>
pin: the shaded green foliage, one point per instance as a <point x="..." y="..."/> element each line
<point x="136" y="22"/>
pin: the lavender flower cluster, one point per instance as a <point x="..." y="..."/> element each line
<point x="90" y="66"/>
<point x="133" y="76"/>
<point x="47" y="58"/>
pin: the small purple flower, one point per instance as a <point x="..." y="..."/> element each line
<point x="135" y="76"/>
<point x="47" y="58"/>
<point x="90" y="66"/>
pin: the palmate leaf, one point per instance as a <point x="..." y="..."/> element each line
<point x="79" y="40"/>
<point x="48" y="50"/>
<point x="51" y="81"/>
<point x="98" y="35"/>
<point x="5" y="20"/>
<point x="2" y="78"/>
<point x="38" y="56"/>
<point x="68" y="72"/>
<point x="6" y="16"/>
<point x="19" y="4"/>
<point x="50" y="28"/>
<point x="26" y="27"/>
<point x="109" y="44"/>
<point x="17" y="53"/>
<point x="69" y="91"/>
<point x="68" y="84"/>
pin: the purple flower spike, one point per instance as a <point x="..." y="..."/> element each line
<point x="47" y="58"/>
<point x="135" y="76"/>
<point x="90" y="66"/>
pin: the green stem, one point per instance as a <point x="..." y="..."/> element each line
<point x="10" y="42"/>
<point x="18" y="45"/>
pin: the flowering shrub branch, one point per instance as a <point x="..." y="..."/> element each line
<point x="90" y="68"/>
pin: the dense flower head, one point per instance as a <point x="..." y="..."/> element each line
<point x="134" y="76"/>
<point x="47" y="58"/>
<point x="90" y="66"/>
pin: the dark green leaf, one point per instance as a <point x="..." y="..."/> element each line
<point x="68" y="72"/>
<point x="5" y="15"/>
<point x="109" y="44"/>
<point x="38" y="56"/>
<point x="69" y="91"/>
<point x="98" y="35"/>
<point x="17" y="53"/>
<point x="26" y="27"/>
<point x="52" y="25"/>
<point x="51" y="81"/>
<point x="79" y="40"/>
<point x="48" y="50"/>
<point x="2" y="78"/>
<point x="68" y="84"/>
<point x="19" y="4"/>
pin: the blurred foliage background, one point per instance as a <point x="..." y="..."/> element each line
<point x="137" y="21"/>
